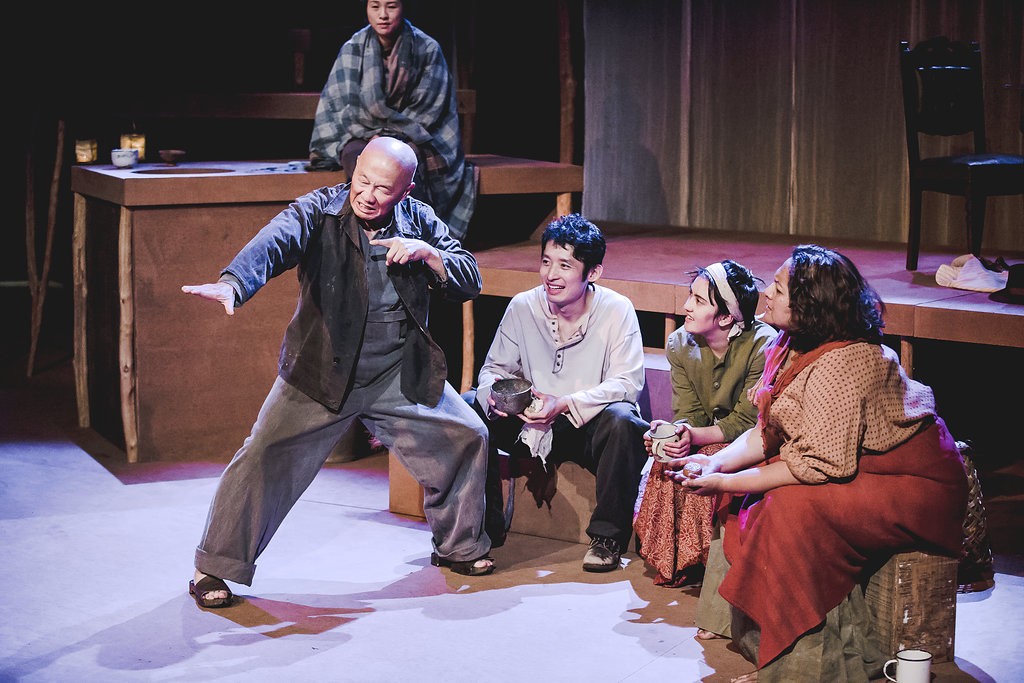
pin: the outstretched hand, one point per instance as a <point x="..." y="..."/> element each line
<point x="704" y="485"/>
<point x="221" y="292"/>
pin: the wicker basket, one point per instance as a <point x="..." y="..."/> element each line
<point x="975" y="572"/>
<point x="912" y="603"/>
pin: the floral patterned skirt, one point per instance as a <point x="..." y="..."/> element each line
<point x="674" y="528"/>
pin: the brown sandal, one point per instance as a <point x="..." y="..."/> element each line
<point x="467" y="567"/>
<point x="210" y="584"/>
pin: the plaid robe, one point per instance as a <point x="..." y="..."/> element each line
<point x="354" y="104"/>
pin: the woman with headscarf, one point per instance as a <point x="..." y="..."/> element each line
<point x="715" y="359"/>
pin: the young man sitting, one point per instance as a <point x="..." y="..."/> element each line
<point x="579" y="345"/>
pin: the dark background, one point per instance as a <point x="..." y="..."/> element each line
<point x="86" y="65"/>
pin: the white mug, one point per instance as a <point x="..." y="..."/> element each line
<point x="912" y="666"/>
<point x="661" y="435"/>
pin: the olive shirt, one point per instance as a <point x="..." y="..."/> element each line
<point x="708" y="391"/>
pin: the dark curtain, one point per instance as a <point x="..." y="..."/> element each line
<point x="782" y="117"/>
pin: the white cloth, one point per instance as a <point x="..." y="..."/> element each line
<point x="968" y="272"/>
<point x="718" y="274"/>
<point x="538" y="439"/>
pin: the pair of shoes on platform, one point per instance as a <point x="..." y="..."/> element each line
<point x="478" y="567"/>
<point x="206" y="585"/>
<point x="603" y="555"/>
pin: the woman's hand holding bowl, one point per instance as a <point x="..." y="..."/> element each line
<point x="698" y="473"/>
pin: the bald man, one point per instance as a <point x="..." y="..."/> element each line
<point x="367" y="256"/>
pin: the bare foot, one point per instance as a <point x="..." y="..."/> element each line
<point x="707" y="635"/>
<point x="746" y="678"/>
<point x="484" y="563"/>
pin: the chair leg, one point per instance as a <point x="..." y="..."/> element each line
<point x="914" y="229"/>
<point x="975" y="221"/>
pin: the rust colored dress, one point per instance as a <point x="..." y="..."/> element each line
<point x="879" y="474"/>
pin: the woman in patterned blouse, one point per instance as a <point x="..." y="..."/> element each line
<point x="847" y="465"/>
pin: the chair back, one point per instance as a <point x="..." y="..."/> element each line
<point x="942" y="91"/>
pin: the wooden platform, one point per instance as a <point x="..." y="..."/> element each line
<point x="650" y="265"/>
<point x="497" y="175"/>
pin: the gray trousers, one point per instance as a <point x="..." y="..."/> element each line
<point x="444" y="448"/>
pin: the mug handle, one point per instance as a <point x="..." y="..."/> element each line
<point x="885" y="669"/>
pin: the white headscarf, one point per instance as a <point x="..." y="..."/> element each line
<point x="721" y="280"/>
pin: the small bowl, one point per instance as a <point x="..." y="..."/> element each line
<point x="511" y="396"/>
<point x="172" y="156"/>
<point x="124" y="158"/>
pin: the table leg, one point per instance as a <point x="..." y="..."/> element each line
<point x="80" y="363"/>
<point x="468" y="343"/>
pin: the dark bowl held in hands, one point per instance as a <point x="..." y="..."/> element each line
<point x="511" y="396"/>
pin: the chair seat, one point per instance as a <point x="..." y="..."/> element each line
<point x="988" y="174"/>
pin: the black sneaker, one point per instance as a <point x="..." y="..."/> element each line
<point x="603" y="555"/>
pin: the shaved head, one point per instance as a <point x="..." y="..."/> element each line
<point x="392" y="151"/>
<point x="383" y="177"/>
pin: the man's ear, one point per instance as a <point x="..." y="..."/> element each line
<point x="726" y="321"/>
<point x="408" y="190"/>
<point x="595" y="273"/>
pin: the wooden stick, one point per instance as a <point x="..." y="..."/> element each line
<point x="126" y="337"/>
<point x="81" y="362"/>
<point x="468" y="342"/>
<point x="568" y="90"/>
<point x="670" y="326"/>
<point x="42" y="283"/>
<point x="907" y="355"/>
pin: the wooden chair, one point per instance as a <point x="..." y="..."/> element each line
<point x="943" y="96"/>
